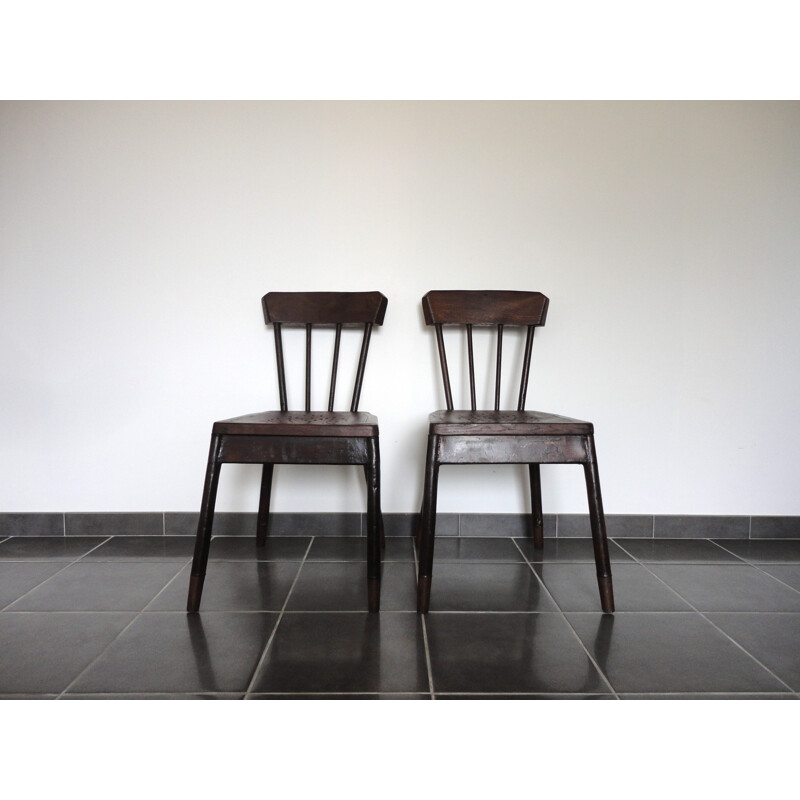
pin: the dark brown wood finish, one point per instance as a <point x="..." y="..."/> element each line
<point x="302" y="437"/>
<point x="503" y="437"/>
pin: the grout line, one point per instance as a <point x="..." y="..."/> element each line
<point x="568" y="623"/>
<point x="64" y="521"/>
<point x="428" y="656"/>
<point x="278" y="621"/>
<point x="653" y="533"/>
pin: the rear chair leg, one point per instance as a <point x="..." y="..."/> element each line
<point x="203" y="541"/>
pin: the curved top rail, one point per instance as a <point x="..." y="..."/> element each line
<point x="324" y="308"/>
<point x="459" y="307"/>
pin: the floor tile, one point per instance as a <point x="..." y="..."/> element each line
<point x="181" y="653"/>
<point x="342" y="586"/>
<point x="475" y="548"/>
<point x="154" y="696"/>
<point x="405" y="525"/>
<point x="774" y="527"/>
<point x="786" y="573"/>
<point x="665" y="653"/>
<point x="111" y="524"/>
<point x="233" y="586"/>
<point x="685" y="551"/>
<point x="728" y="587"/>
<point x="508" y="653"/>
<point x="617" y="525"/>
<point x="574" y="588"/>
<point x="710" y="696"/>
<point x="577" y="550"/>
<point x="354" y="548"/>
<point x="43" y="524"/>
<point x="340" y="696"/>
<point x="487" y="587"/>
<point x="774" y="639"/>
<point x="701" y="527"/>
<point x="144" y="548"/>
<point x="43" y="652"/>
<point x="522" y="696"/>
<point x="356" y="652"/>
<point x="19" y="577"/>
<point x="765" y="551"/>
<point x="244" y="548"/>
<point x="518" y="525"/>
<point x="48" y="548"/>
<point x="314" y="524"/>
<point x="94" y="586"/>
<point x="226" y="523"/>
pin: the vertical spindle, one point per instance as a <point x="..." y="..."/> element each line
<point x="335" y="365"/>
<point x="499" y="367"/>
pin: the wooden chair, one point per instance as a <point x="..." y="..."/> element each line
<point x="503" y="437"/>
<point x="302" y="437"/>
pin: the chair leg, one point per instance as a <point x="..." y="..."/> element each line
<point x="204" y="525"/>
<point x="374" y="526"/>
<point x="427" y="528"/>
<point x="380" y="514"/>
<point x="598" y="522"/>
<point x="536" y="506"/>
<point x="263" y="505"/>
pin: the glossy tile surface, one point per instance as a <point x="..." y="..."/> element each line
<point x="18" y="578"/>
<point x="43" y="653"/>
<point x="577" y="550"/>
<point x="103" y="617"/>
<point x="680" y="551"/>
<point x="89" y="586"/>
<point x="338" y="652"/>
<point x="179" y="652"/>
<point x="574" y="588"/>
<point x="677" y="652"/>
<point x="728" y="587"/>
<point x="503" y="653"/>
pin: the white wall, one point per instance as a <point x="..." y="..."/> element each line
<point x="136" y="240"/>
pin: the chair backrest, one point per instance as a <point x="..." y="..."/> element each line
<point x="338" y="309"/>
<point x="485" y="308"/>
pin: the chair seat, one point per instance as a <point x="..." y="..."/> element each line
<point x="509" y="423"/>
<point x="300" y="423"/>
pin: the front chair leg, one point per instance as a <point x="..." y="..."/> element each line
<point x="536" y="506"/>
<point x="380" y="513"/>
<point x="263" y="505"/>
<point x="204" y="525"/>
<point x="598" y="522"/>
<point x="374" y="528"/>
<point x="427" y="528"/>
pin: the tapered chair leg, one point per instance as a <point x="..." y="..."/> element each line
<point x="263" y="505"/>
<point x="427" y="528"/>
<point x="204" y="525"/>
<point x="536" y="506"/>
<point x="372" y="471"/>
<point x="598" y="522"/>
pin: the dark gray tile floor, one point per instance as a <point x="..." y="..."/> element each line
<point x="102" y="617"/>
